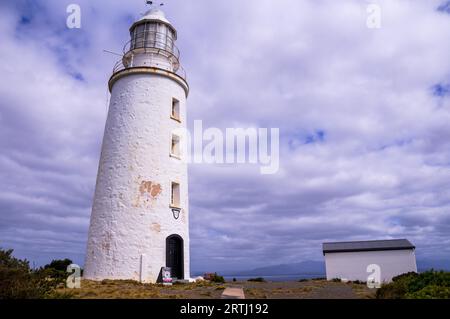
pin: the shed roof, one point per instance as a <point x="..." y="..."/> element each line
<point x="371" y="245"/>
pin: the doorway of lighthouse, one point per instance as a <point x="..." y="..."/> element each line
<point x="174" y="255"/>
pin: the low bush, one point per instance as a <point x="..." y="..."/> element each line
<point x="336" y="280"/>
<point x="57" y="269"/>
<point x="427" y="285"/>
<point x="19" y="281"/>
<point x="430" y="292"/>
<point x="59" y="264"/>
<point x="216" y="278"/>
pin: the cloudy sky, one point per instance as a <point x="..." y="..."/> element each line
<point x="364" y="119"/>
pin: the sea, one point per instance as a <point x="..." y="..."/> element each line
<point x="276" y="277"/>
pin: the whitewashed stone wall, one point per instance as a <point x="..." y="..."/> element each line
<point x="131" y="216"/>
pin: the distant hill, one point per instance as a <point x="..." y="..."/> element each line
<point x="305" y="268"/>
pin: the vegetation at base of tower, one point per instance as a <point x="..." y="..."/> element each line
<point x="427" y="285"/>
<point x="336" y="280"/>
<point x="19" y="281"/>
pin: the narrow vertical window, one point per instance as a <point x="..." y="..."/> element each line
<point x="175" y="195"/>
<point x="175" y="146"/>
<point x="175" y="110"/>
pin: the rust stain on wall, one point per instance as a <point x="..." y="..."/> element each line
<point x="156" y="190"/>
<point x="156" y="227"/>
<point x="148" y="187"/>
<point x="145" y="187"/>
<point x="148" y="191"/>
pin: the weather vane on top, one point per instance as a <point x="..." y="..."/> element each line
<point x="150" y="3"/>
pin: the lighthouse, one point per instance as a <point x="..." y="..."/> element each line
<point x="140" y="220"/>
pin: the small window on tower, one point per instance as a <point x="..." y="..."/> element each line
<point x="175" y="110"/>
<point x="175" y="146"/>
<point x="175" y="196"/>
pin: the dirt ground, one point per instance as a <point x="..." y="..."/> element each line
<point x="311" y="289"/>
<point x="124" y="289"/>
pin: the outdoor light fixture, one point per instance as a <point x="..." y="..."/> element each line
<point x="176" y="212"/>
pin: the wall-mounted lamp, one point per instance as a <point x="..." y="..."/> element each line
<point x="176" y="212"/>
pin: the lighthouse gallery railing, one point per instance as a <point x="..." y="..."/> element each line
<point x="151" y="42"/>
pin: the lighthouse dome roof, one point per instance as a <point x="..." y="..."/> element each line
<point x="155" y="14"/>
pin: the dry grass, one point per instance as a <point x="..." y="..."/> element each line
<point x="363" y="292"/>
<point x="128" y="289"/>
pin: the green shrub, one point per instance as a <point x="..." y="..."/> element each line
<point x="429" y="284"/>
<point x="57" y="269"/>
<point x="430" y="292"/>
<point x="59" y="264"/>
<point x="217" y="278"/>
<point x="257" y="279"/>
<point x="18" y="281"/>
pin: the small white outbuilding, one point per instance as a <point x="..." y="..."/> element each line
<point x="379" y="259"/>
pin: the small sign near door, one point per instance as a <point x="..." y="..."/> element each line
<point x="166" y="276"/>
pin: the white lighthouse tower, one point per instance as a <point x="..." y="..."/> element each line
<point x="139" y="220"/>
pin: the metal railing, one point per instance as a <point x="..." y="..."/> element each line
<point x="151" y="42"/>
<point x="119" y="66"/>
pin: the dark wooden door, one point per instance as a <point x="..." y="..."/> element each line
<point x="174" y="255"/>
